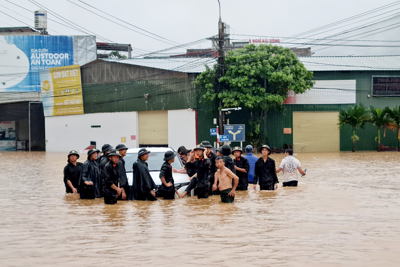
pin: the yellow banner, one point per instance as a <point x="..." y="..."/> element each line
<point x="61" y="91"/>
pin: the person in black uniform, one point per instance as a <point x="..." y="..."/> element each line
<point x="103" y="160"/>
<point x="242" y="168"/>
<point x="168" y="189"/>
<point x="90" y="183"/>
<point x="122" y="149"/>
<point x="202" y="166"/>
<point x="111" y="184"/>
<point x="72" y="173"/>
<point x="143" y="183"/>
<point x="265" y="171"/>
<point x="212" y="157"/>
<point x="226" y="152"/>
<point x="190" y="168"/>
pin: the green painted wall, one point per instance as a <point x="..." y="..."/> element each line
<point x="164" y="94"/>
<point x="275" y="121"/>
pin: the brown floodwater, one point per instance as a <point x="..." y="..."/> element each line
<point x="345" y="212"/>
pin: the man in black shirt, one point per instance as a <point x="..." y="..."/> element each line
<point x="121" y="148"/>
<point x="143" y="184"/>
<point x="168" y="189"/>
<point x="265" y="171"/>
<point x="72" y="172"/>
<point x="202" y="166"/>
<point x="111" y="184"/>
<point x="242" y="168"/>
<point x="90" y="183"/>
<point x="212" y="157"/>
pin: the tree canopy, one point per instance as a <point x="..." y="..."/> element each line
<point x="257" y="78"/>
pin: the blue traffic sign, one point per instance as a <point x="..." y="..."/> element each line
<point x="213" y="131"/>
<point x="236" y="132"/>
<point x="224" y="138"/>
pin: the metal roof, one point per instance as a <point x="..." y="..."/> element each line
<point x="187" y="65"/>
<point x="351" y="63"/>
<point x="337" y="63"/>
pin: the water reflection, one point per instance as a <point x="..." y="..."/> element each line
<point x="343" y="213"/>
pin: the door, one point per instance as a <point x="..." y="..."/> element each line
<point x="153" y="128"/>
<point x="316" y="132"/>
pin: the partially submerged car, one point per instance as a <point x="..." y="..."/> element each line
<point x="155" y="161"/>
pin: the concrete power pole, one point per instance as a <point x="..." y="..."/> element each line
<point x="221" y="67"/>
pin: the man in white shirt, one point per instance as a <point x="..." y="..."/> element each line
<point x="289" y="165"/>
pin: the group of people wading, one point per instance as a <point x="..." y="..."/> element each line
<point x="104" y="175"/>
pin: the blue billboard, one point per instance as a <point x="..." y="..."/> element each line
<point x="21" y="58"/>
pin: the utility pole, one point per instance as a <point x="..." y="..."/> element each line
<point x="221" y="68"/>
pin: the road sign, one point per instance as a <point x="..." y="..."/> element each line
<point x="236" y="132"/>
<point x="224" y="138"/>
<point x="213" y="131"/>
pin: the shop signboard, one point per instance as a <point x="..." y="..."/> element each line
<point x="61" y="91"/>
<point x="23" y="56"/>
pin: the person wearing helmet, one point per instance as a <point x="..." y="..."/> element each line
<point x="111" y="184"/>
<point x="213" y="168"/>
<point x="226" y="152"/>
<point x="122" y="173"/>
<point x="202" y="168"/>
<point x="143" y="184"/>
<point x="265" y="171"/>
<point x="242" y="169"/>
<point x="168" y="189"/>
<point x="72" y="172"/>
<point x="252" y="162"/>
<point x="90" y="182"/>
<point x="105" y="149"/>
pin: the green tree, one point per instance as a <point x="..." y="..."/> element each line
<point x="116" y="54"/>
<point x="395" y="114"/>
<point x="356" y="117"/>
<point x="381" y="119"/>
<point x="257" y="78"/>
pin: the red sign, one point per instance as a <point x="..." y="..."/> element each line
<point x="263" y="41"/>
<point x="133" y="137"/>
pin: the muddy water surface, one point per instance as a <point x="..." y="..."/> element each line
<point x="345" y="212"/>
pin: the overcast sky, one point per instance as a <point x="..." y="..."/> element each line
<point x="184" y="21"/>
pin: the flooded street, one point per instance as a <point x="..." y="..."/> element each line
<point x="345" y="212"/>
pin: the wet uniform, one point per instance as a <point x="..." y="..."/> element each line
<point x="266" y="173"/>
<point x="242" y="163"/>
<point x="72" y="173"/>
<point x="123" y="179"/>
<point x="111" y="177"/>
<point x="213" y="169"/>
<point x="202" y="167"/>
<point x="90" y="173"/>
<point x="143" y="183"/>
<point x="252" y="162"/>
<point x="166" y="172"/>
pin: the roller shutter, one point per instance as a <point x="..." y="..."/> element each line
<point x="316" y="132"/>
<point x="153" y="128"/>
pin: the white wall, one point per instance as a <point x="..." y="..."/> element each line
<point x="181" y="128"/>
<point x="65" y="133"/>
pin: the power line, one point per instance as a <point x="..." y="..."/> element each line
<point x="125" y="22"/>
<point x="68" y="21"/>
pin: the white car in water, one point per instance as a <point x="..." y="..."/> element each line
<point x="155" y="161"/>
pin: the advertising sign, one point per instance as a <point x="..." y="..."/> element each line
<point x="61" y="91"/>
<point x="7" y="136"/>
<point x="326" y="92"/>
<point x="386" y="85"/>
<point x="236" y="132"/>
<point x="22" y="56"/>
